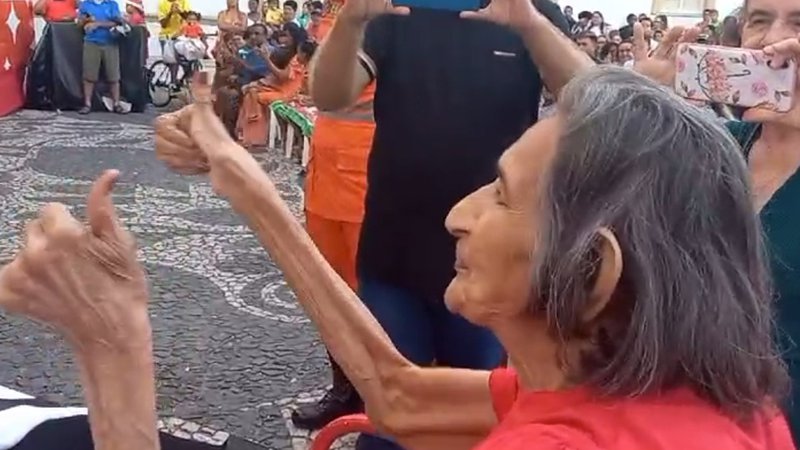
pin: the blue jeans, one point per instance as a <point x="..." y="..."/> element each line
<point x="424" y="331"/>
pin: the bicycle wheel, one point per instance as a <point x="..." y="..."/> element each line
<point x="160" y="84"/>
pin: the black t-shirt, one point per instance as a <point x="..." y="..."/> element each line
<point x="452" y="94"/>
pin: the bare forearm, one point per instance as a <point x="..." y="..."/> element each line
<point x="335" y="66"/>
<point x="119" y="388"/>
<point x="556" y="56"/>
<point x="349" y="331"/>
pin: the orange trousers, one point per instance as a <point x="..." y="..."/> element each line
<point x="338" y="243"/>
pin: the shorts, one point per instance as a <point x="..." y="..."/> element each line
<point x="95" y="55"/>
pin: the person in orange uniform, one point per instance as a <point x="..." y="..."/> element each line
<point x="334" y="202"/>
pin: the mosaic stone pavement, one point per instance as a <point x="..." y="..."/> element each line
<point x="234" y="353"/>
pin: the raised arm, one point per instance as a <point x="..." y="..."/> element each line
<point x="543" y="29"/>
<point x="95" y="294"/>
<point x="422" y="407"/>
<point x="350" y="55"/>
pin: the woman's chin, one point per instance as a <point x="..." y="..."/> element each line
<point x="454" y="296"/>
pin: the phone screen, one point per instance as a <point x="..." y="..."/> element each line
<point x="448" y="5"/>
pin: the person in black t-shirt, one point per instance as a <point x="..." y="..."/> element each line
<point x="626" y="32"/>
<point x="451" y="95"/>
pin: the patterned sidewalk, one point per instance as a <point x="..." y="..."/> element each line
<point x="234" y="352"/>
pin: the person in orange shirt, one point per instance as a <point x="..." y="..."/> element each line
<point x="284" y="82"/>
<point x="191" y="28"/>
<point x="336" y="185"/>
<point x="57" y="10"/>
<point x="320" y="23"/>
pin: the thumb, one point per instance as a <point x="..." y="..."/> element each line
<point x="100" y="209"/>
<point x="207" y="130"/>
<point x="8" y="297"/>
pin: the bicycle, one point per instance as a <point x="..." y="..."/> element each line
<point x="161" y="85"/>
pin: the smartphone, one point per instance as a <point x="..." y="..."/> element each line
<point x="734" y="76"/>
<point x="448" y="5"/>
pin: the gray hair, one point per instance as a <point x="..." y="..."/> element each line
<point x="694" y="305"/>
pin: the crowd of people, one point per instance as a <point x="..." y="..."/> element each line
<point x="611" y="45"/>
<point x="625" y="258"/>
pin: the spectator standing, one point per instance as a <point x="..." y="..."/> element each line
<point x="626" y="32"/>
<point x="97" y="17"/>
<point x="599" y="26"/>
<point x="56" y="10"/>
<point x="170" y="17"/>
<point x="134" y="12"/>
<point x="587" y="42"/>
<point x="273" y="14"/>
<point x="290" y="12"/>
<point x="253" y="13"/>
<point x="569" y="14"/>
<point x="480" y="87"/>
<point x="584" y="23"/>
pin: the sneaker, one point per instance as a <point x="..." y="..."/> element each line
<point x="84" y="110"/>
<point x="119" y="109"/>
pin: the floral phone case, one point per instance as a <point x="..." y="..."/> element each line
<point x="733" y="76"/>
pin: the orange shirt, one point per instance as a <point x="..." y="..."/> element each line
<point x="60" y="10"/>
<point x="576" y="420"/>
<point x="336" y="183"/>
<point x="192" y="30"/>
<point x="319" y="31"/>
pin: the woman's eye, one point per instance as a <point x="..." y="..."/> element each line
<point x="498" y="195"/>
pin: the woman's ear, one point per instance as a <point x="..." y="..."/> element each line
<point x="608" y="274"/>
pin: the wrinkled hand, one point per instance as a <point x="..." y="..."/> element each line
<point x="359" y="12"/>
<point x="660" y="65"/>
<point x="781" y="52"/>
<point x="515" y="14"/>
<point x="193" y="141"/>
<point x="83" y="280"/>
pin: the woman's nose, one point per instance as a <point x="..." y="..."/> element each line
<point x="778" y="32"/>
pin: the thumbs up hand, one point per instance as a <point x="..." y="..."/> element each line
<point x="84" y="280"/>
<point x="194" y="141"/>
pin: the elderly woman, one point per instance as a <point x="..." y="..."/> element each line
<point x="771" y="144"/>
<point x="616" y="256"/>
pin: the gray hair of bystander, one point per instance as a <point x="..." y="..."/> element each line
<point x="694" y="302"/>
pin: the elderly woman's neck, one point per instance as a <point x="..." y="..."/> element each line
<point x="780" y="135"/>
<point x="533" y="353"/>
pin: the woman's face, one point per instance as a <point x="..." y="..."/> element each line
<point x="597" y="19"/>
<point x="232" y="3"/>
<point x="769" y="21"/>
<point x="613" y="54"/>
<point x="601" y="41"/>
<point x="495" y="229"/>
<point x="625" y="52"/>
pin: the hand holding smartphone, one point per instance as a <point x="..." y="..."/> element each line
<point x="448" y="5"/>
<point x="734" y="76"/>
